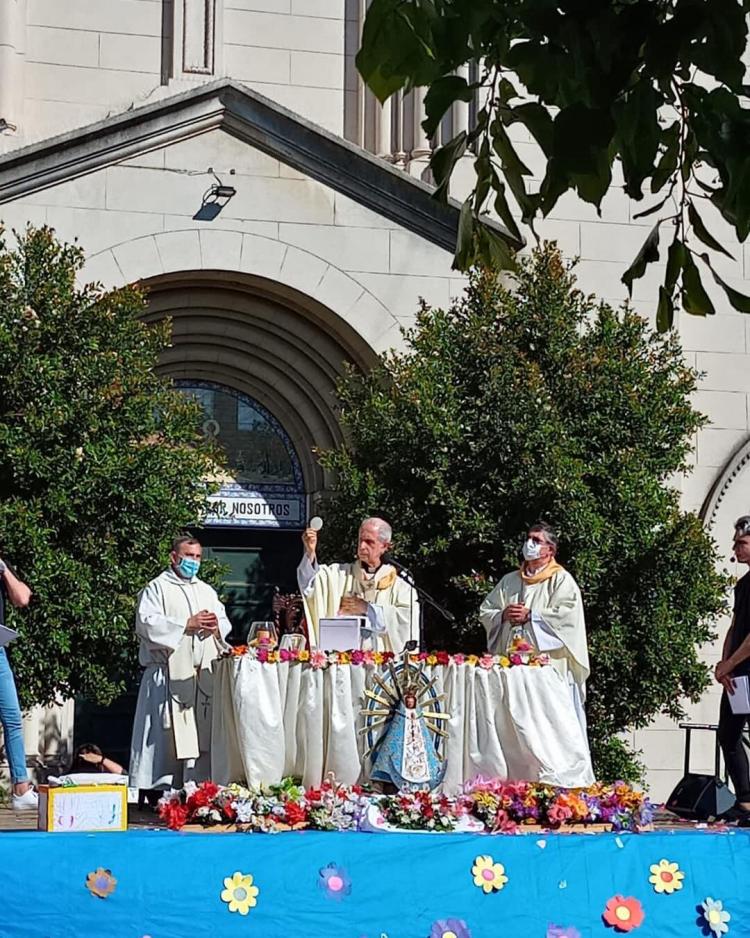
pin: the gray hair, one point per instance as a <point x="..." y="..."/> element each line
<point x="742" y="526"/>
<point x="385" y="532"/>
<point x="548" y="531"/>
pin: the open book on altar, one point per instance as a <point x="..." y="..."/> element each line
<point x="340" y="633"/>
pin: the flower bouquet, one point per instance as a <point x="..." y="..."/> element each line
<point x="335" y="807"/>
<point x="421" y="811"/>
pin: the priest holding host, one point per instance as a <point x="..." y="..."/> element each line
<point x="542" y="599"/>
<point x="182" y="627"/>
<point x="368" y="587"/>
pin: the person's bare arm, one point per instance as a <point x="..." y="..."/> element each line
<point x="19" y="595"/>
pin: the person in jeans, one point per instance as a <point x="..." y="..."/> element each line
<point x="24" y="798"/>
<point x="735" y="662"/>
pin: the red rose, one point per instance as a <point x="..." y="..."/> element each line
<point x="443" y="657"/>
<point x="295" y="813"/>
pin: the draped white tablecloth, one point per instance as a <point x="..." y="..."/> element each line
<point x="274" y="720"/>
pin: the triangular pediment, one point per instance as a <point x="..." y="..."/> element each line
<point x="254" y="119"/>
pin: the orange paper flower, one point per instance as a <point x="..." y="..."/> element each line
<point x="623" y="914"/>
<point x="101" y="883"/>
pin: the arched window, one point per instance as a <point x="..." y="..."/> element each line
<point x="265" y="488"/>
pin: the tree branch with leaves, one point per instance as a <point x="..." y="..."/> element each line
<point x="654" y="87"/>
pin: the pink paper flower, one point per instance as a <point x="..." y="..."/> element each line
<point x="318" y="659"/>
<point x="334" y="881"/>
<point x="262" y="655"/>
<point x="516" y="659"/>
<point x="459" y="659"/>
<point x="487" y="662"/>
<point x="285" y="654"/>
<point x="357" y="656"/>
<point x="368" y="658"/>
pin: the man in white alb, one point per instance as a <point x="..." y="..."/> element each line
<point x="543" y="598"/>
<point x="368" y="587"/>
<point x="181" y="625"/>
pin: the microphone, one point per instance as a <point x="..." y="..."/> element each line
<point x="315" y="523"/>
<point x="390" y="559"/>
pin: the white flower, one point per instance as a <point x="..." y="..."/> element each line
<point x="190" y="788"/>
<point x="715" y="916"/>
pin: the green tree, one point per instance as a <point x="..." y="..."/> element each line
<point x="513" y="406"/>
<point x="658" y="87"/>
<point x="100" y="466"/>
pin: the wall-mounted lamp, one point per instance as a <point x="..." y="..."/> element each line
<point x="215" y="198"/>
<point x="223" y="192"/>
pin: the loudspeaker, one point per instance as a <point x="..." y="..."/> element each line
<point x="700" y="798"/>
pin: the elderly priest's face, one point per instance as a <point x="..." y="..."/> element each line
<point x="370" y="548"/>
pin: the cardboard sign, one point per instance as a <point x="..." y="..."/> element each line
<point x="83" y="808"/>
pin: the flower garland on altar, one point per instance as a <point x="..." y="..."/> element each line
<point x="321" y="659"/>
<point x="502" y="807"/>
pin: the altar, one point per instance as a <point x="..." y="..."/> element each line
<point x="277" y="718"/>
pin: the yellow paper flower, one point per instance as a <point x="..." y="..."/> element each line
<point x="304" y="655"/>
<point x="666" y="877"/>
<point x="432" y="660"/>
<point x="488" y="875"/>
<point x="239" y="893"/>
<point x="503" y="661"/>
<point x="472" y="659"/>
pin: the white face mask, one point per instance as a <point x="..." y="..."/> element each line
<point x="531" y="550"/>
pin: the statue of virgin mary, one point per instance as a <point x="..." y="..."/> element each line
<point x="405" y="755"/>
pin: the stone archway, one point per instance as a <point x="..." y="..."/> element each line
<point x="729" y="498"/>
<point x="266" y="340"/>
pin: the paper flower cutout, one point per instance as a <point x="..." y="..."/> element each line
<point x="666" y="877"/>
<point x="623" y="914"/>
<point x="487" y="874"/>
<point x="334" y="881"/>
<point x="239" y="893"/>
<point x="715" y="916"/>
<point x="450" y="928"/>
<point x="559" y="931"/>
<point x="101" y="883"/>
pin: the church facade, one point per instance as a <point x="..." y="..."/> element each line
<point x="225" y="155"/>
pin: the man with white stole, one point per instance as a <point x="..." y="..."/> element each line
<point x="544" y="599"/>
<point x="182" y="625"/>
<point x="368" y="587"/>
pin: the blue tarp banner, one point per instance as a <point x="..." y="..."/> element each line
<point x="349" y="885"/>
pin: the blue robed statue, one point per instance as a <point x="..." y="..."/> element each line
<point x="405" y="754"/>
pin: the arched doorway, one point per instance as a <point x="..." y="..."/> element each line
<point x="263" y="360"/>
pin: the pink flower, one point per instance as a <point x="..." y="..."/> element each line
<point x="557" y="813"/>
<point x="262" y="655"/>
<point x="357" y="656"/>
<point x="516" y="659"/>
<point x="523" y="646"/>
<point x="285" y="654"/>
<point x="318" y="659"/>
<point x="459" y="659"/>
<point x="368" y="658"/>
<point x="487" y="662"/>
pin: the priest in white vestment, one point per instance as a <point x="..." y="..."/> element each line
<point x="544" y="599"/>
<point x="368" y="587"/>
<point x="182" y="627"/>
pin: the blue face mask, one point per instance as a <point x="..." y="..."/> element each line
<point x="188" y="567"/>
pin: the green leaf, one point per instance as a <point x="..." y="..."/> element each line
<point x="702" y="233"/>
<point x="675" y="262"/>
<point x="695" y="300"/>
<point x="465" y="239"/>
<point x="536" y="119"/>
<point x="648" y="254"/>
<point x="441" y="96"/>
<point x="503" y="209"/>
<point x="652" y="210"/>
<point x="442" y="162"/>
<point x="739" y="301"/>
<point x="664" y="310"/>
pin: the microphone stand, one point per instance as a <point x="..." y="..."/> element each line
<point x="408" y="577"/>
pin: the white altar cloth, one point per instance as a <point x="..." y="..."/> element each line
<point x="274" y="720"/>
